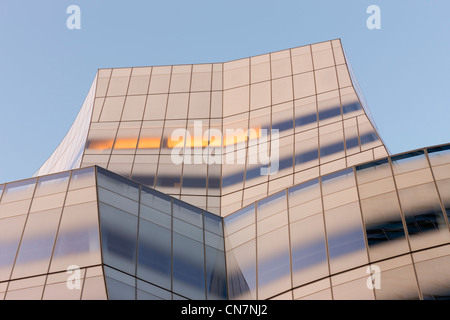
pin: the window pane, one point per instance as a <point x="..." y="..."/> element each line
<point x="37" y="243"/>
<point x="273" y="263"/>
<point x="241" y="271"/>
<point x="154" y="254"/>
<point x="423" y="216"/>
<point x="78" y="239"/>
<point x="118" y="230"/>
<point x="18" y="190"/>
<point x="215" y="274"/>
<point x="308" y="250"/>
<point x="188" y="267"/>
<point x="346" y="243"/>
<point x="10" y="234"/>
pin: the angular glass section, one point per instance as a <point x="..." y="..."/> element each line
<point x="37" y="243"/>
<point x="118" y="232"/>
<point x="308" y="249"/>
<point x="78" y="240"/>
<point x="433" y="273"/>
<point x="423" y="216"/>
<point x="20" y="190"/>
<point x="216" y="281"/>
<point x="10" y="234"/>
<point x="120" y="285"/>
<point x="52" y="184"/>
<point x="154" y="254"/>
<point x="274" y="274"/>
<point x="241" y="271"/>
<point x="188" y="267"/>
<point x="381" y="210"/>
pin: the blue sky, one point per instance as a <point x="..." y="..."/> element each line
<point x="47" y="69"/>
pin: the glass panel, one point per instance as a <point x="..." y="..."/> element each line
<point x="384" y="226"/>
<point x="177" y="106"/>
<point x="134" y="108"/>
<point x="304" y="200"/>
<point x="353" y="285"/>
<point x="235" y="101"/>
<point x="199" y="105"/>
<point x="423" y="216"/>
<point x="236" y="73"/>
<point x="260" y="68"/>
<point x="188" y="267"/>
<point x="304" y="85"/>
<point x="239" y="220"/>
<point x="308" y="249"/>
<point x="274" y="274"/>
<point x="213" y="223"/>
<point x="282" y="90"/>
<point x="215" y="274"/>
<point x="201" y="77"/>
<point x="94" y="289"/>
<point x="187" y="213"/>
<point x="305" y="114"/>
<point x="326" y="79"/>
<point x="140" y="78"/>
<point x="101" y="137"/>
<point x="154" y="254"/>
<point x="155" y="108"/>
<point x="18" y="190"/>
<point x="439" y="155"/>
<point x="120" y="285"/>
<point x="433" y="273"/>
<point x="78" y="239"/>
<point x="181" y="78"/>
<point x="112" y="109"/>
<point x="118" y="230"/>
<point x="280" y="64"/>
<point x="102" y="82"/>
<point x="272" y="205"/>
<point x="331" y="142"/>
<point x="10" y="235"/>
<point x="37" y="244"/>
<point x="52" y="184"/>
<point x="82" y="178"/>
<point x="116" y="200"/>
<point x="159" y="82"/>
<point x="301" y="59"/>
<point x="57" y="286"/>
<point x="146" y="291"/>
<point x="329" y="107"/>
<point x="346" y="242"/>
<point x="150" y="138"/>
<point x="118" y="84"/>
<point x="306" y="149"/>
<point x="260" y="95"/>
<point x="398" y="280"/>
<point x="117" y="184"/>
<point x="156" y="200"/>
<point x="241" y="271"/>
<point x="322" y="55"/>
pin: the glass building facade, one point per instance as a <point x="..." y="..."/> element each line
<point x="285" y="191"/>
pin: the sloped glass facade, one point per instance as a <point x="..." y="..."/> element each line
<point x="259" y="178"/>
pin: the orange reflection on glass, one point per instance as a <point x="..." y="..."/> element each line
<point x="100" y="144"/>
<point x="149" y="143"/>
<point x="129" y="143"/>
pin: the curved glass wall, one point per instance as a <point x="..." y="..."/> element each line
<point x="367" y="232"/>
